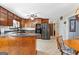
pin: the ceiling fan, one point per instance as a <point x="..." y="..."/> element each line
<point x="33" y="15"/>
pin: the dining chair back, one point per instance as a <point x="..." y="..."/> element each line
<point x="63" y="48"/>
<point x="60" y="43"/>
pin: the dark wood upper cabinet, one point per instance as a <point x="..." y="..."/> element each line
<point x="6" y="17"/>
<point x="3" y="10"/>
<point x="17" y="18"/>
<point x="32" y="23"/>
<point x="45" y="20"/>
<point x="3" y="19"/>
<point x="3" y="16"/>
<point x="10" y="19"/>
<point x="10" y="15"/>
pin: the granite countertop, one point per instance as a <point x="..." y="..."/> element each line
<point x="19" y="34"/>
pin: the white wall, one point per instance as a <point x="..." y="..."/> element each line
<point x="77" y="28"/>
<point x="73" y="34"/>
<point x="64" y="28"/>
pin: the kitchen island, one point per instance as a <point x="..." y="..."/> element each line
<point x="18" y="44"/>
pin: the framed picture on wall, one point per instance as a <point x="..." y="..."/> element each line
<point x="72" y="26"/>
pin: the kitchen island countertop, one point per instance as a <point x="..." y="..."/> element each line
<point x="19" y="34"/>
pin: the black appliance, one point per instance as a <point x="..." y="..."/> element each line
<point x="38" y="29"/>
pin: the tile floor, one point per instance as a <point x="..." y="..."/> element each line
<point x="47" y="47"/>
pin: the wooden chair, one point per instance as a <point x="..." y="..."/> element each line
<point x="65" y="50"/>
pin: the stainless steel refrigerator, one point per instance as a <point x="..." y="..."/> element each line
<point x="45" y="31"/>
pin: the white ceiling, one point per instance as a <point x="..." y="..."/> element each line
<point x="45" y="10"/>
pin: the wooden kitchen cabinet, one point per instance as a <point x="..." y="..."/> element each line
<point x="13" y="45"/>
<point x="10" y="19"/>
<point x="6" y="20"/>
<point x="22" y="23"/>
<point x="45" y="20"/>
<point x="3" y="16"/>
<point x="9" y="22"/>
<point x="6" y="17"/>
<point x="3" y="19"/>
<point x="26" y="45"/>
<point x="3" y="44"/>
<point x="17" y="18"/>
<point x="3" y="10"/>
